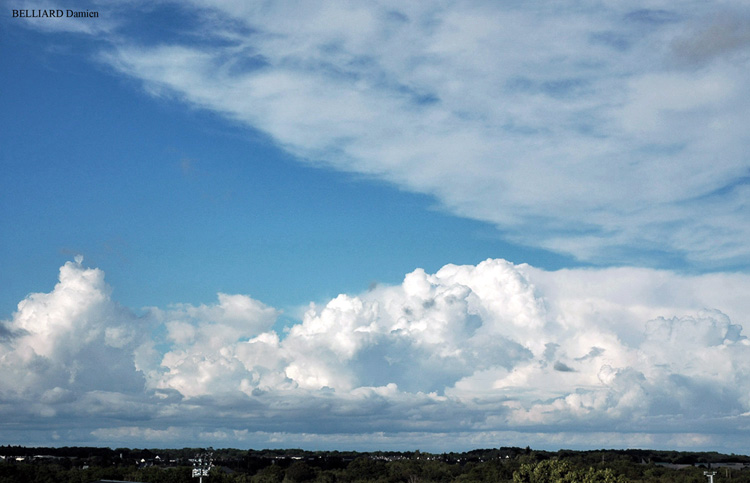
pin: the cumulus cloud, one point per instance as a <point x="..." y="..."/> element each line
<point x="468" y="351"/>
<point x="63" y="338"/>
<point x="609" y="132"/>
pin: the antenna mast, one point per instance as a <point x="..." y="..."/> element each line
<point x="202" y="464"/>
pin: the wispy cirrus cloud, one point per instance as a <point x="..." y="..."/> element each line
<point x="612" y="134"/>
<point x="468" y="351"/>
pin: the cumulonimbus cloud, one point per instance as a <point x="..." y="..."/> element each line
<point x="495" y="348"/>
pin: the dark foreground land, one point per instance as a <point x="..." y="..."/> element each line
<point x="86" y="465"/>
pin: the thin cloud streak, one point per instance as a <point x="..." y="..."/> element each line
<point x="470" y="351"/>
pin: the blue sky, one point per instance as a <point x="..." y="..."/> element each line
<point x="193" y="203"/>
<point x="390" y="216"/>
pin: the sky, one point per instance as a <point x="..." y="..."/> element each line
<point x="375" y="225"/>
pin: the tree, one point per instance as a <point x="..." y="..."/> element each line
<point x="299" y="471"/>
<point x="557" y="471"/>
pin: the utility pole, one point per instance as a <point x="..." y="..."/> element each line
<point x="710" y="475"/>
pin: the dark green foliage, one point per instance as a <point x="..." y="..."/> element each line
<point x="365" y="469"/>
<point x="269" y="474"/>
<point x="299" y="472"/>
<point x="559" y="471"/>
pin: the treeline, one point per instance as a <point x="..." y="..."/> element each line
<point x="507" y="464"/>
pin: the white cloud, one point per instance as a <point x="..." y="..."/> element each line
<point x="205" y="343"/>
<point x="468" y="351"/>
<point x="584" y="131"/>
<point x="74" y="338"/>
